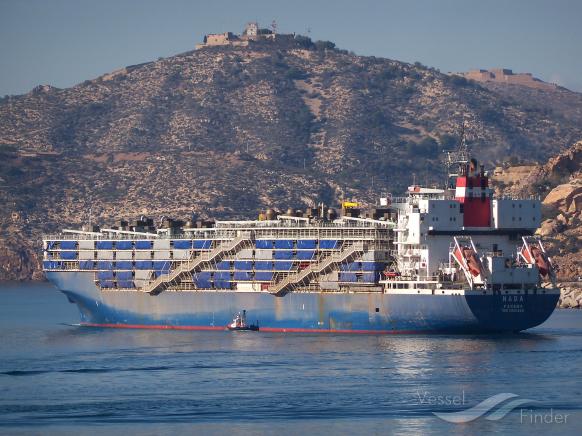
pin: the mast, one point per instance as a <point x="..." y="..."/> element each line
<point x="456" y="161"/>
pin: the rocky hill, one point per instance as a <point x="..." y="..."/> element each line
<point x="225" y="131"/>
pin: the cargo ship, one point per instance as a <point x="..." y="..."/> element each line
<point x="450" y="260"/>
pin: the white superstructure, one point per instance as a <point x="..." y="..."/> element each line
<point x="464" y="236"/>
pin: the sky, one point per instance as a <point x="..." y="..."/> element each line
<point x="64" y="42"/>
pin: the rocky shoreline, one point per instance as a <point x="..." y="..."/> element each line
<point x="571" y="296"/>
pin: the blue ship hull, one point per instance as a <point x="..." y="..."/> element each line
<point x="360" y="312"/>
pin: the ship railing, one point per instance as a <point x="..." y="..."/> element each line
<point x="298" y="223"/>
<point x="517" y="197"/>
<point x="431" y="279"/>
<point x="414" y="198"/>
<point x="66" y="265"/>
<point x="355" y="230"/>
<point x="346" y="234"/>
<point x="399" y="200"/>
<point x="81" y="236"/>
<point x="435" y="285"/>
<point x="338" y="233"/>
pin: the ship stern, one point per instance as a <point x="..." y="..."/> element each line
<point x="512" y="311"/>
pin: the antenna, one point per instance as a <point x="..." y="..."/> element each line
<point x="91" y="211"/>
<point x="456" y="160"/>
<point x="309" y="31"/>
<point x="274" y="26"/>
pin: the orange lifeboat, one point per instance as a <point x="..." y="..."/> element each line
<point x="541" y="261"/>
<point x="473" y="263"/>
<point x="467" y="256"/>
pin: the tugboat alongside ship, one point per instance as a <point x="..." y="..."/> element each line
<point x="453" y="260"/>
<point x="239" y="323"/>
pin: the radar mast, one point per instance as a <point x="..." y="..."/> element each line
<point x="456" y="161"/>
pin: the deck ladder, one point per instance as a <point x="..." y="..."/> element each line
<point x="327" y="264"/>
<point x="204" y="260"/>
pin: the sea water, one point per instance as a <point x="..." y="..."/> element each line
<point x="58" y="378"/>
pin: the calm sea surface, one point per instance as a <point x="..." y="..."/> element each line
<point x="60" y="379"/>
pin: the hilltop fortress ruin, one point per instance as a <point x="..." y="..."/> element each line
<point x="252" y="32"/>
<point x="508" y="77"/>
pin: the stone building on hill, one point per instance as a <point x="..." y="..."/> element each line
<point x="251" y="32"/>
<point x="507" y="76"/>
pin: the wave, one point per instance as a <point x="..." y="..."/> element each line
<point x="20" y="373"/>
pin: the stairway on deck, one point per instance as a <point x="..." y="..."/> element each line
<point x="164" y="281"/>
<point x="326" y="265"/>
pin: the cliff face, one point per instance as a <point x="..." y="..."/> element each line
<point x="226" y="131"/>
<point x="559" y="183"/>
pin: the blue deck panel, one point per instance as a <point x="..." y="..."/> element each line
<point x="305" y="255"/>
<point x="124" y="275"/>
<point x="86" y="264"/>
<point x="68" y="255"/>
<point x="104" y="245"/>
<point x="143" y="264"/>
<point x="68" y="245"/>
<point x="243" y="265"/>
<point x="243" y="276"/>
<point x="123" y="245"/>
<point x="306" y="244"/>
<point x="263" y="265"/>
<point x="202" y="244"/>
<point x="182" y="244"/>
